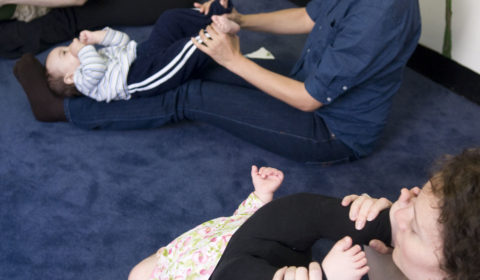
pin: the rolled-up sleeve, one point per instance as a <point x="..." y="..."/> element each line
<point x="357" y="50"/>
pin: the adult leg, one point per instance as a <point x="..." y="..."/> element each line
<point x="124" y="12"/>
<point x="19" y="37"/>
<point x="62" y="24"/>
<point x="245" y="112"/>
<point x="282" y="233"/>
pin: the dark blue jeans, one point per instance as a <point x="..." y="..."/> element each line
<point x="235" y="106"/>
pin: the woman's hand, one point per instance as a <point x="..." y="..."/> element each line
<point x="235" y="16"/>
<point x="221" y="47"/>
<point x="364" y="208"/>
<point x="314" y="272"/>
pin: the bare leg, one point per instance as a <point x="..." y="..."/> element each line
<point x="144" y="269"/>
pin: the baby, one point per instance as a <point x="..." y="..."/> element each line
<point x="165" y="60"/>
<point x="195" y="254"/>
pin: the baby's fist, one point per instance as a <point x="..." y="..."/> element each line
<point x="266" y="181"/>
<point x="86" y="37"/>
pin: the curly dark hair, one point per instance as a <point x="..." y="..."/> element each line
<point x="60" y="88"/>
<point x="457" y="185"/>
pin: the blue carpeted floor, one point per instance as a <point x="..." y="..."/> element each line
<point x="78" y="204"/>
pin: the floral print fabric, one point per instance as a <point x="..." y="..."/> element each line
<point x="194" y="254"/>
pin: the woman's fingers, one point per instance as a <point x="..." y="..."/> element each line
<point x="348" y="199"/>
<point x="314" y="271"/>
<point x="364" y="208"/>
<point x="279" y="275"/>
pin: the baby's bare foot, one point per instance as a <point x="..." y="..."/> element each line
<point x="225" y="25"/>
<point x="224" y="3"/>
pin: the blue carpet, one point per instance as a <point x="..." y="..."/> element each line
<point x="78" y="204"/>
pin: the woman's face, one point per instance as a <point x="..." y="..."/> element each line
<point x="416" y="234"/>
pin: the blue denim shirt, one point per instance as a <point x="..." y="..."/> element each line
<point x="353" y="63"/>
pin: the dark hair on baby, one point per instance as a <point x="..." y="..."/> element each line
<point x="457" y="185"/>
<point x="60" y="88"/>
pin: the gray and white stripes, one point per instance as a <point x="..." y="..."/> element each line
<point x="102" y="74"/>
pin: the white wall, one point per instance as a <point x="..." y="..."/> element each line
<point x="465" y="29"/>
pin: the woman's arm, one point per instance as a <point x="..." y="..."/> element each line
<point x="45" y="3"/>
<point x="225" y="50"/>
<point x="288" y="21"/>
<point x="281" y="87"/>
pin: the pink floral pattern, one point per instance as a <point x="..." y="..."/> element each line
<point x="194" y="254"/>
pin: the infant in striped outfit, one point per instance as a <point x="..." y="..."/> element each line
<point x="122" y="67"/>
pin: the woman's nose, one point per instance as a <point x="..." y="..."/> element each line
<point x="404" y="217"/>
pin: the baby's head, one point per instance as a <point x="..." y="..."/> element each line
<point x="61" y="64"/>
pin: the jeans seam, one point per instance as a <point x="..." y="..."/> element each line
<point x="96" y="121"/>
<point x="329" y="162"/>
<point x="265" y="129"/>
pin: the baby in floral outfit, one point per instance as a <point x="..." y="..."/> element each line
<point x="194" y="254"/>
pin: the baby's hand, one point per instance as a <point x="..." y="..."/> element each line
<point x="75" y="47"/>
<point x="87" y="37"/>
<point x="266" y="181"/>
<point x="92" y="37"/>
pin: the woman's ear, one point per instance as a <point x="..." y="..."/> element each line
<point x="68" y="79"/>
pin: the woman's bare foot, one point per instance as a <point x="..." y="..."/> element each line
<point x="224" y="3"/>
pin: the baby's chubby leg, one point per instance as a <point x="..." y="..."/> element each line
<point x="345" y="262"/>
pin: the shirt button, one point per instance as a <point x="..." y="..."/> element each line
<point x="329" y="99"/>
<point x="344" y="88"/>
<point x="308" y="50"/>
